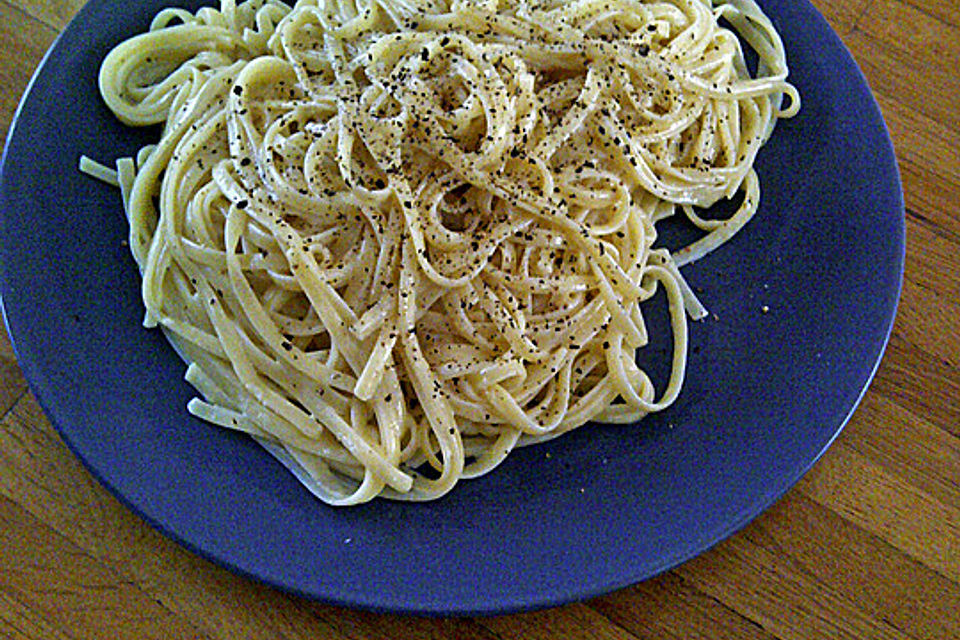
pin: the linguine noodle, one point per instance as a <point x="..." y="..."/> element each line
<point x="396" y="239"/>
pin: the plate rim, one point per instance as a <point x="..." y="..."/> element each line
<point x="35" y="377"/>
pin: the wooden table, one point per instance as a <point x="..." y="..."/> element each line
<point x="867" y="545"/>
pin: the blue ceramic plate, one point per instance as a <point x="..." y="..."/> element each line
<point x="598" y="509"/>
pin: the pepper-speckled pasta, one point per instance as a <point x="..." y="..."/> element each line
<point x="396" y="239"/>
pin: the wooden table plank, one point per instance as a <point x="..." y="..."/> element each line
<point x="22" y="621"/>
<point x="907" y="444"/>
<point x="880" y="502"/>
<point x="575" y="621"/>
<point x="929" y="45"/>
<point x="13" y="386"/>
<point x="355" y="624"/>
<point x="53" y="13"/>
<point x="928" y="153"/>
<point x="948" y="11"/>
<point x="869" y="573"/>
<point x="913" y="390"/>
<point x="866" y="546"/>
<point x="765" y="584"/>
<point x="893" y="62"/>
<point x="669" y="607"/>
<point x="56" y="579"/>
<point x="842" y="16"/>
<point x="71" y="504"/>
<point x="29" y="39"/>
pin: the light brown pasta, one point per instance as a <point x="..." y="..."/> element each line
<point x="388" y="235"/>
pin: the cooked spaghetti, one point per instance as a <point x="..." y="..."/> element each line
<point x="396" y="239"/>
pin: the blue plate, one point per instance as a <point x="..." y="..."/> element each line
<point x="598" y="509"/>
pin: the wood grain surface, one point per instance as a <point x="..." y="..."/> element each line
<point x="867" y="545"/>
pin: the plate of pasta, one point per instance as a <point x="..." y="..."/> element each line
<point x="449" y="307"/>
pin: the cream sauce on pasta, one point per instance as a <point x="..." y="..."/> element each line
<point x="393" y="235"/>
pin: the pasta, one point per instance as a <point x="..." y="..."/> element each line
<point x="396" y="239"/>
